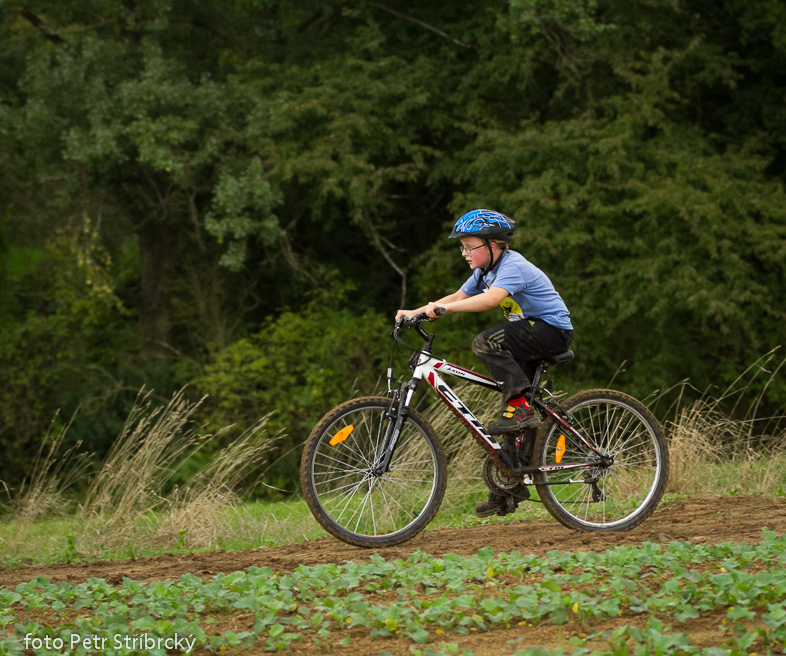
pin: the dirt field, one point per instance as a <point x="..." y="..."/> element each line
<point x="704" y="520"/>
<point x="711" y="520"/>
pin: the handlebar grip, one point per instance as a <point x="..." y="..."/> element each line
<point x="440" y="311"/>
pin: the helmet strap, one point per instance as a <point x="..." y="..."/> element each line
<point x="491" y="267"/>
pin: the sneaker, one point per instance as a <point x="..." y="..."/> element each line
<point x="492" y="506"/>
<point x="515" y="418"/>
<point x="499" y="505"/>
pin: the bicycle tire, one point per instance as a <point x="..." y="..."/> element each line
<point x="348" y="499"/>
<point x="631" y="488"/>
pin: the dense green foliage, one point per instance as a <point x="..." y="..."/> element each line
<point x="183" y="184"/>
<point x="426" y="600"/>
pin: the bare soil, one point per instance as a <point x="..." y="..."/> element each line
<point x="711" y="520"/>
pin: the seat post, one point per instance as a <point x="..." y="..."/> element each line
<point x="540" y="371"/>
<point x="543" y="367"/>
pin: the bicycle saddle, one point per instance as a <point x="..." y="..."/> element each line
<point x="565" y="356"/>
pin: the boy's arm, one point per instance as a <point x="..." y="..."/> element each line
<point x="458" y="301"/>
<point x="478" y="303"/>
<point x="455" y="296"/>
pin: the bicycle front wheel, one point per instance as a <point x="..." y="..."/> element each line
<point x="613" y="497"/>
<point x="343" y="485"/>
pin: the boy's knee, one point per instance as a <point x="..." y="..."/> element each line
<point x="488" y="341"/>
<point x="479" y="345"/>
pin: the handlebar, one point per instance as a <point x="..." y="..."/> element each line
<point x="418" y="319"/>
<point x="416" y="322"/>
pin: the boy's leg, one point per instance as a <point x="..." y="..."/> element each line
<point x="504" y="350"/>
<point x="494" y="348"/>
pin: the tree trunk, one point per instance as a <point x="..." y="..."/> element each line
<point x="158" y="255"/>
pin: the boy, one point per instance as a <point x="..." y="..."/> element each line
<point x="538" y="321"/>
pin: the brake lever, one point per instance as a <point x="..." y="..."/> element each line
<point x="414" y="322"/>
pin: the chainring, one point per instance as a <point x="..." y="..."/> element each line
<point x="496" y="481"/>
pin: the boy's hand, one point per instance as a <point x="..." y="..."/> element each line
<point x="431" y="311"/>
<point x="405" y="313"/>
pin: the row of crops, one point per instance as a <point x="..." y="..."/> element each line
<point x="426" y="603"/>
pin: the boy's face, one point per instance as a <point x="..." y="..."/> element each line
<point x="475" y="252"/>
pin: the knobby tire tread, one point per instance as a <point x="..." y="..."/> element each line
<point x="602" y="395"/>
<point x="319" y="513"/>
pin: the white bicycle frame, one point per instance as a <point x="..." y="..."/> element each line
<point x="429" y="368"/>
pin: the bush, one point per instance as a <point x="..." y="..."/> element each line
<point x="300" y="364"/>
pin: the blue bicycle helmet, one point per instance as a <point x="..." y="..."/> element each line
<point x="484" y="224"/>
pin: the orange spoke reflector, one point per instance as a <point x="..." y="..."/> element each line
<point x="560" y="450"/>
<point x="341" y="435"/>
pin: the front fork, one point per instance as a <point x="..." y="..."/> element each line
<point x="396" y="414"/>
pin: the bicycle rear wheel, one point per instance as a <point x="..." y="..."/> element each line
<point x="616" y="497"/>
<point x="349" y="497"/>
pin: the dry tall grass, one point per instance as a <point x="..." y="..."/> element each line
<point x="720" y="444"/>
<point x="130" y="500"/>
<point x="465" y="457"/>
<point x="43" y="492"/>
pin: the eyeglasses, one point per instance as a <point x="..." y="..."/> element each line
<point x="467" y="251"/>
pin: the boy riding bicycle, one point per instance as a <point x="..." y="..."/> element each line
<point x="538" y="321"/>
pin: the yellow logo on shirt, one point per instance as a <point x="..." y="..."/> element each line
<point x="510" y="307"/>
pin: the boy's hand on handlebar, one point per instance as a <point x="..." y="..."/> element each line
<point x="405" y="314"/>
<point x="434" y="311"/>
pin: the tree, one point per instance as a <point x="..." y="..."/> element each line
<point x="665" y="238"/>
<point x="232" y="157"/>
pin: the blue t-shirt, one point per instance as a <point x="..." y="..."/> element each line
<point x="530" y="292"/>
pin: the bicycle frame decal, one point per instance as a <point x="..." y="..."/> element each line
<point x="427" y="368"/>
<point x="459" y="372"/>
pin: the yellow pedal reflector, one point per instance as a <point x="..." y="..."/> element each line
<point x="341" y="435"/>
<point x="560" y="450"/>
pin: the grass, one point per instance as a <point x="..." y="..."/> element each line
<point x="131" y="508"/>
<point x="719" y="444"/>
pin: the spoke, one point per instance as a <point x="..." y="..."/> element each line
<point x="374" y="430"/>
<point x="398" y="503"/>
<point x="344" y="466"/>
<point x="619" y="433"/>
<point x="387" y="498"/>
<point x="338" y="492"/>
<point x="349" y="496"/>
<point x="356" y="499"/>
<point x="371" y="485"/>
<point x="402" y="485"/>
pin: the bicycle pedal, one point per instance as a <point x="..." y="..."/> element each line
<point x="510" y="506"/>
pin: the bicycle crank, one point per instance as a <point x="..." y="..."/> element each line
<point x="502" y="483"/>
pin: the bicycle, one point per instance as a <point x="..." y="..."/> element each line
<point x="374" y="473"/>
